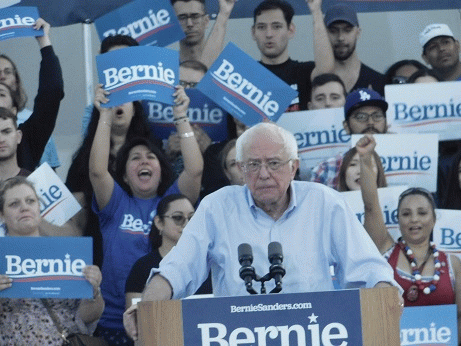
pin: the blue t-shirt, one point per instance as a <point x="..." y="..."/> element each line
<point x="125" y="225"/>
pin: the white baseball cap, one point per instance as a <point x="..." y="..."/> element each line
<point x="432" y="31"/>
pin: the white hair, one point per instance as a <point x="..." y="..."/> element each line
<point x="269" y="129"/>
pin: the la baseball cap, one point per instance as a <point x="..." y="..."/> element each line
<point x="432" y="31"/>
<point x="341" y="12"/>
<point x="363" y="97"/>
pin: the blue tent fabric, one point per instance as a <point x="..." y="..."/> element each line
<point x="60" y="13"/>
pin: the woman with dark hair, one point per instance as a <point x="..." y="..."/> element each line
<point x="173" y="213"/>
<point x="424" y="76"/>
<point x="349" y="172"/>
<point x="428" y="276"/>
<point x="399" y="72"/>
<point x="78" y="178"/>
<point x="126" y="203"/>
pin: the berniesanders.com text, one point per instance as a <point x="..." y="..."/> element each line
<point x="270" y="307"/>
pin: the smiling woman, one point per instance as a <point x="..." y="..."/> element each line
<point x="427" y="275"/>
<point x="126" y="205"/>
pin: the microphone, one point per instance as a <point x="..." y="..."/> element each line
<point x="276" y="269"/>
<point x="247" y="271"/>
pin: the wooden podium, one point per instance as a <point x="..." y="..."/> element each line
<point x="162" y="323"/>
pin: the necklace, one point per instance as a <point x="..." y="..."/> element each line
<point x="418" y="285"/>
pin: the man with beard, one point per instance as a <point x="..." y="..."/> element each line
<point x="364" y="112"/>
<point x="343" y="32"/>
<point x="441" y="51"/>
<point x="273" y="29"/>
<point x="194" y="20"/>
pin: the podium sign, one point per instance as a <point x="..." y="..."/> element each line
<point x="341" y="317"/>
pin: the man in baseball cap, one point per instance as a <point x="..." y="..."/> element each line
<point x="364" y="112"/>
<point x="343" y="32"/>
<point x="441" y="51"/>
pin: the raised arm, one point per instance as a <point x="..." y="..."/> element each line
<point x="323" y="51"/>
<point x="190" y="179"/>
<point x="215" y="41"/>
<point x="101" y="180"/>
<point x="40" y="125"/>
<point x="374" y="222"/>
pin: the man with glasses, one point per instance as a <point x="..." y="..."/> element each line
<point x="194" y="21"/>
<point x="313" y="224"/>
<point x="365" y="112"/>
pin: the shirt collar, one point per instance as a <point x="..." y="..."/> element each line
<point x="291" y="205"/>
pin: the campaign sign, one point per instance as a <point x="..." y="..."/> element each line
<point x="18" y="22"/>
<point x="57" y="204"/>
<point x="316" y="318"/>
<point x="245" y="88"/>
<point x="319" y="134"/>
<point x="408" y="159"/>
<point x="148" y="22"/>
<point x="202" y="112"/>
<point x="46" y="267"/>
<point x="388" y="200"/>
<point x="425" y="108"/>
<point x="429" y="326"/>
<point x="447" y="231"/>
<point x="139" y="73"/>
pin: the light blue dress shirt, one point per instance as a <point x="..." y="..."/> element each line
<point x="317" y="230"/>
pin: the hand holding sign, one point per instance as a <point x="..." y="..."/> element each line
<point x="5" y="282"/>
<point x="44" y="40"/>
<point x="94" y="277"/>
<point x="181" y="101"/>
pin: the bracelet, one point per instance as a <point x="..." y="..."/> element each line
<point x="187" y="134"/>
<point x="180" y="120"/>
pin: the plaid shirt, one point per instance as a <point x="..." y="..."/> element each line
<point x="327" y="172"/>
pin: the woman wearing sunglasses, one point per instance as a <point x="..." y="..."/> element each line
<point x="427" y="275"/>
<point x="173" y="213"/>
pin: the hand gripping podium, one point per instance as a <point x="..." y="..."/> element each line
<point x="368" y="317"/>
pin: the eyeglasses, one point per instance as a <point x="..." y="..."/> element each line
<point x="399" y="80"/>
<point x="194" y="17"/>
<point x="179" y="219"/>
<point x="364" y="117"/>
<point x="271" y="165"/>
<point x="187" y="85"/>
<point x="7" y="72"/>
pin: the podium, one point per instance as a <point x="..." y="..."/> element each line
<point x="368" y="317"/>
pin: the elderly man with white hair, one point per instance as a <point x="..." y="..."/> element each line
<point x="312" y="223"/>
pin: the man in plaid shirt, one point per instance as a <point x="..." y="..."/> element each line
<point x="364" y="112"/>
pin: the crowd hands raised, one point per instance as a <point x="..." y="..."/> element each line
<point x="123" y="172"/>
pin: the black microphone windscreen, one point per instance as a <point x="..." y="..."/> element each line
<point x="274" y="249"/>
<point x="244" y="250"/>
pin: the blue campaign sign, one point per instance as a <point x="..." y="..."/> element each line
<point x="244" y="9"/>
<point x="316" y="318"/>
<point x="429" y="325"/>
<point x="245" y="88"/>
<point x="202" y="112"/>
<point x="139" y="73"/>
<point x="148" y="22"/>
<point x="18" y="22"/>
<point x="46" y="267"/>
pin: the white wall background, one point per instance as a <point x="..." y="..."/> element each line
<point x="386" y="38"/>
